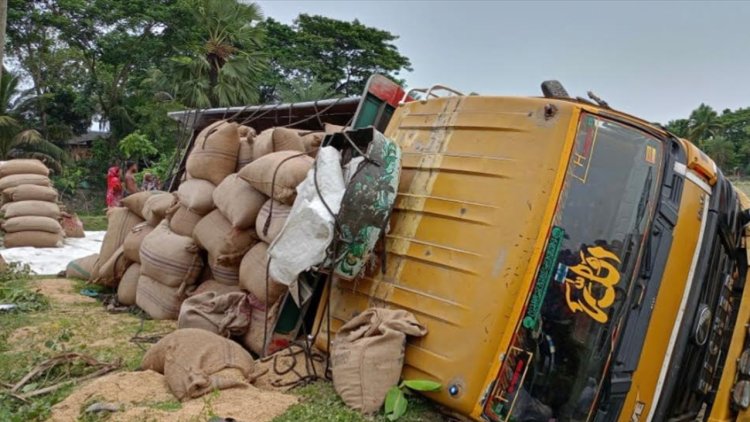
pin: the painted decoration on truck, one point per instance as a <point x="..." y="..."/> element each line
<point x="590" y="284"/>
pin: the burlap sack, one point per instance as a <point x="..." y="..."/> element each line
<point x="32" y="223"/>
<point x="277" y="139"/>
<point x="214" y="155"/>
<point x="292" y="170"/>
<point x="214" y="286"/>
<point x="23" y="179"/>
<point x="224" y="274"/>
<point x="136" y="201"/>
<point x="367" y="355"/>
<point x="194" y="362"/>
<point x="34" y="239"/>
<point x="313" y="140"/>
<point x="81" y="268"/>
<point x="119" y="223"/>
<point x="132" y="244"/>
<point x="31" y="208"/>
<point x="169" y="258"/>
<point x="183" y="221"/>
<point x="271" y="220"/>
<point x="157" y="300"/>
<point x="23" y="166"/>
<point x="245" y="155"/>
<point x="156" y="206"/>
<point x="197" y="195"/>
<point x="225" y="315"/>
<point x="128" y="286"/>
<point x="261" y="325"/>
<point x="238" y="201"/>
<point x="111" y="271"/>
<point x="72" y="225"/>
<point x="284" y="369"/>
<point x="225" y="244"/>
<point x="331" y="128"/>
<point x="30" y="193"/>
<point x="253" y="275"/>
<point x="246" y="131"/>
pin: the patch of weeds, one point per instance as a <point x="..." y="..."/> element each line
<point x="14" y="290"/>
<point x="36" y="409"/>
<point x="167" y="406"/>
<point x="94" y="222"/>
<point x="320" y="403"/>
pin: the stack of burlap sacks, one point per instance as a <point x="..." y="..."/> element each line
<point x="210" y="238"/>
<point x="30" y="209"/>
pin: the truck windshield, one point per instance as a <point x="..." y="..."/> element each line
<point x="560" y="354"/>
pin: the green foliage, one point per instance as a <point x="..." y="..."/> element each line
<point x="330" y="52"/>
<point x="136" y="146"/>
<point x="70" y="179"/>
<point x="14" y="289"/>
<point x="396" y="403"/>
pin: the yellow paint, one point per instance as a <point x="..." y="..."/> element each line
<point x="667" y="303"/>
<point x="699" y="162"/>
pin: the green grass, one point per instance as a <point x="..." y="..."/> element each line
<point x="320" y="403"/>
<point x="94" y="222"/>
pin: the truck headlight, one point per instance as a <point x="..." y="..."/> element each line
<point x="743" y="365"/>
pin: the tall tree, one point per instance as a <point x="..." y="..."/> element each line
<point x="16" y="140"/>
<point x="703" y="123"/>
<point x="329" y="51"/>
<point x="222" y="65"/>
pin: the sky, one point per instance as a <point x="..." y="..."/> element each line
<point x="656" y="60"/>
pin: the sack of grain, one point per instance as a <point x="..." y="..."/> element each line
<point x="30" y="193"/>
<point x="214" y="154"/>
<point x="277" y="139"/>
<point x="132" y="243"/>
<point x="14" y="180"/>
<point x="119" y="223"/>
<point x="136" y="201"/>
<point x="111" y="271"/>
<point x="31" y="208"/>
<point x="183" y="221"/>
<point x="128" y="287"/>
<point x="32" y="223"/>
<point x="225" y="244"/>
<point x="214" y="286"/>
<point x="156" y="206"/>
<point x="72" y="225"/>
<point x="34" y="239"/>
<point x="225" y="315"/>
<point x="157" y="300"/>
<point x="238" y="201"/>
<point x="81" y="268"/>
<point x="169" y="258"/>
<point x="367" y="356"/>
<point x="253" y="275"/>
<point x="312" y="141"/>
<point x="271" y="219"/>
<point x="331" y="128"/>
<point x="224" y="274"/>
<point x="261" y="325"/>
<point x="246" y="131"/>
<point x="292" y="170"/>
<point x="23" y="166"/>
<point x="196" y="362"/>
<point x="197" y="195"/>
<point x="245" y="154"/>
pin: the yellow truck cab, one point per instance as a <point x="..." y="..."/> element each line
<point x="570" y="262"/>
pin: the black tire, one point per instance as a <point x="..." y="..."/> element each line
<point x="554" y="89"/>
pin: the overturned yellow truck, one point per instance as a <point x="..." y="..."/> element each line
<point x="571" y="263"/>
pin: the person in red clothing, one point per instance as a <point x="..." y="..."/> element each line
<point x="114" y="187"/>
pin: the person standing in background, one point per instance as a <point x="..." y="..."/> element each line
<point x="149" y="182"/>
<point x="131" y="186"/>
<point x="114" y="187"/>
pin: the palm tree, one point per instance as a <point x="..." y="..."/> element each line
<point x="15" y="140"/>
<point x="223" y="68"/>
<point x="703" y="124"/>
<point x="302" y="89"/>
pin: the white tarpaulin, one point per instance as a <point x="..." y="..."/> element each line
<point x="309" y="229"/>
<point x="48" y="261"/>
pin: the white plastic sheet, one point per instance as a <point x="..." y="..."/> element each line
<point x="48" y="261"/>
<point x="309" y="229"/>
